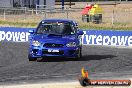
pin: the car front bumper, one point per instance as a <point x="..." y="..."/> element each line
<point x="68" y="52"/>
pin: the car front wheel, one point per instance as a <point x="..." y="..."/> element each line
<point x="79" y="55"/>
<point x="31" y="58"/>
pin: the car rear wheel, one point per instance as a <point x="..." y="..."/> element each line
<point x="31" y="58"/>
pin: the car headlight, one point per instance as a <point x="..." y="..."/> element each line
<point x="71" y="44"/>
<point x="36" y="43"/>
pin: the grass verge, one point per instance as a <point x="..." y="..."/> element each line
<point x="86" y="26"/>
<point x="106" y="26"/>
<point x="19" y="24"/>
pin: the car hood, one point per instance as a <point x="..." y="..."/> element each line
<point x="54" y="38"/>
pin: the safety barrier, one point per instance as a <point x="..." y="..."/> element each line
<point x="107" y="37"/>
<point x="90" y="37"/>
<point x="13" y="34"/>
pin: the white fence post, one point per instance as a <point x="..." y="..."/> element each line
<point x="25" y="14"/>
<point x="4" y="15"/>
<point x="36" y="9"/>
<point x="112" y="17"/>
<point x="67" y="13"/>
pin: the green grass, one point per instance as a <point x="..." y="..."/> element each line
<point x="19" y="24"/>
<point x="115" y="26"/>
<point x="86" y="26"/>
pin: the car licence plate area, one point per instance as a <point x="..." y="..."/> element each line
<point x="53" y="51"/>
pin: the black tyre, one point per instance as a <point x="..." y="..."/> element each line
<point x="79" y="54"/>
<point x="43" y="59"/>
<point x="31" y="58"/>
<point x="84" y="82"/>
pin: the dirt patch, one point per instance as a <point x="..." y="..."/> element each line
<point x="60" y="85"/>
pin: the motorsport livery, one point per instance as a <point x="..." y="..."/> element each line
<point x="55" y="38"/>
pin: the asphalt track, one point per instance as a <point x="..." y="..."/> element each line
<point x="100" y="61"/>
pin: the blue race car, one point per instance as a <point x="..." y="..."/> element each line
<point x="55" y="38"/>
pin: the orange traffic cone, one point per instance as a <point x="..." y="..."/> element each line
<point x="84" y="73"/>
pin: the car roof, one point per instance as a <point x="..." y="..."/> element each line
<point x="59" y="20"/>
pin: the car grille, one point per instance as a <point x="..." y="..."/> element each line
<point x="45" y="51"/>
<point x="52" y="45"/>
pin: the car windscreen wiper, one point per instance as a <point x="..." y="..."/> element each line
<point x="39" y="33"/>
<point x="53" y="34"/>
<point x="68" y="33"/>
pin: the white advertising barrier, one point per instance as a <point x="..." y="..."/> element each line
<point x="14" y="34"/>
<point x="90" y="37"/>
<point x="107" y="37"/>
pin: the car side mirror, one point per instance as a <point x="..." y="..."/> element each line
<point x="80" y="33"/>
<point x="31" y="31"/>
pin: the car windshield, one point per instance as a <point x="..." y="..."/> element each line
<point x="55" y="28"/>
